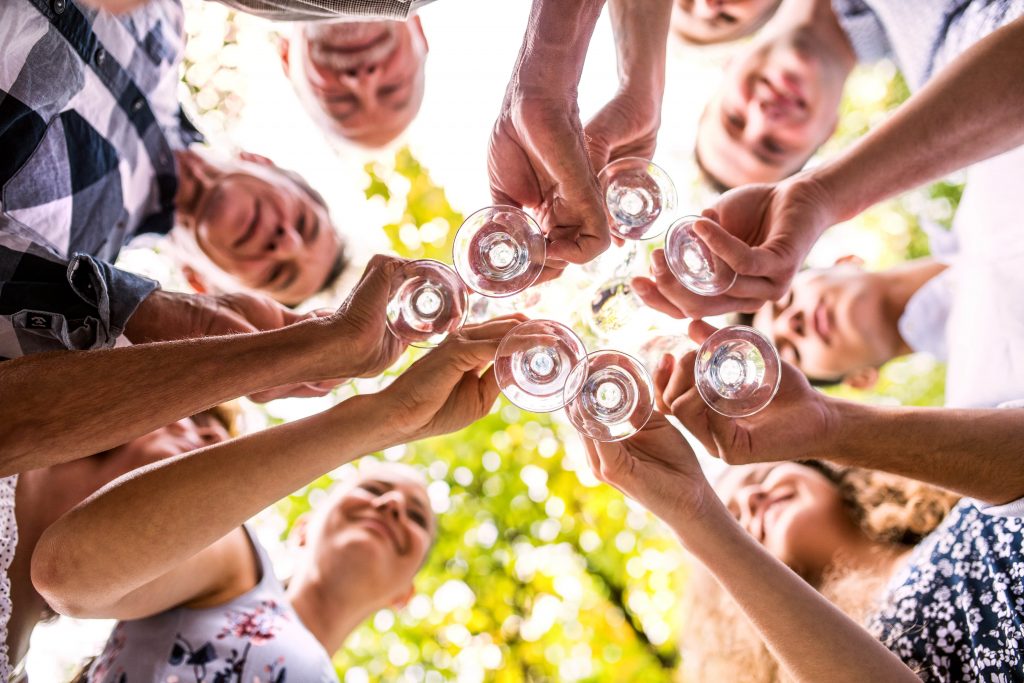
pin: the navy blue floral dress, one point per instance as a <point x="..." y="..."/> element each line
<point x="955" y="612"/>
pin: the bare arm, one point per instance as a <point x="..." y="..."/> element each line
<point x="972" y="110"/>
<point x="978" y="453"/>
<point x="974" y="452"/>
<point x="812" y="639"/>
<point x="65" y="405"/>
<point x="131" y="549"/>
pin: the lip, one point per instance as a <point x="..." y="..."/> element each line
<point x="823" y="322"/>
<point x="770" y="506"/>
<point x="784" y="95"/>
<point x="383" y="530"/>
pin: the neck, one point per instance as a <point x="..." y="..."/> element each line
<point x="330" y="617"/>
<point x="899" y="285"/>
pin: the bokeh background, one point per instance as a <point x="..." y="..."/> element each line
<point x="540" y="573"/>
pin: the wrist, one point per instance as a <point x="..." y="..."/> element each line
<point x="697" y="532"/>
<point x="842" y="195"/>
<point x="851" y="422"/>
<point x="555" y="44"/>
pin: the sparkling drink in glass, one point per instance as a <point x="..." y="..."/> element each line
<point x="609" y="396"/>
<point x="533" y="362"/>
<point x="737" y="371"/>
<point x="499" y="251"/>
<point x="612" y="306"/>
<point x="639" y="197"/>
<point x="691" y="261"/>
<point x="426" y="303"/>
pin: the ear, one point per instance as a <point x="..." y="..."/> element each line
<point x="283" y="46"/>
<point x="417" y="27"/>
<point x="851" y="259"/>
<point x="254" y="158"/>
<point x="864" y="378"/>
<point x="403" y="600"/>
<point x="195" y="280"/>
<point x="300" y="531"/>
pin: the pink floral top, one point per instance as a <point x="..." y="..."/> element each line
<point x="255" y="638"/>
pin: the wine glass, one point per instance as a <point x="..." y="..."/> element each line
<point x="639" y="197"/>
<point x="691" y="261"/>
<point x="499" y="251"/>
<point x="533" y="361"/>
<point x="613" y="305"/>
<point x="737" y="371"/>
<point x="427" y="301"/>
<point x="609" y="396"/>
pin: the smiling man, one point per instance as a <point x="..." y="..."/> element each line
<point x="361" y="81"/>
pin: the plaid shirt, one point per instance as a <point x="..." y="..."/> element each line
<point x="89" y="121"/>
<point x="295" y="10"/>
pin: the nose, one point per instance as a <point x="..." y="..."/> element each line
<point x="391" y="504"/>
<point x="706" y="9"/>
<point x="750" y="499"/>
<point x="286" y="241"/>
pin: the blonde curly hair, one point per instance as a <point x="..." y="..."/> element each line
<point x="718" y="643"/>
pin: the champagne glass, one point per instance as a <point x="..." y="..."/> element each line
<point x="691" y="261"/>
<point x="609" y="396"/>
<point x="533" y="361"/>
<point x="499" y="251"/>
<point x="639" y="197"/>
<point x="426" y="303"/>
<point x="737" y="371"/>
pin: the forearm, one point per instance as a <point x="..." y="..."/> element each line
<point x="641" y="37"/>
<point x="141" y="525"/>
<point x="977" y="453"/>
<point x="812" y="639"/>
<point x="555" y="45"/>
<point x="69" y="404"/>
<point x="972" y="110"/>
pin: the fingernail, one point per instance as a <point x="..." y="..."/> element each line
<point x="641" y="286"/>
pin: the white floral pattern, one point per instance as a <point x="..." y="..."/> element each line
<point x="956" y="610"/>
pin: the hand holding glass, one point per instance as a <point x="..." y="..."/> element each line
<point x="533" y="361"/>
<point x="499" y="251"/>
<point x="691" y="261"/>
<point x="639" y="197"/>
<point x="609" y="396"/>
<point x="426" y="303"/>
<point x="737" y="371"/>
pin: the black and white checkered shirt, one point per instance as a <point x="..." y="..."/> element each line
<point x="89" y="121"/>
<point x="292" y="10"/>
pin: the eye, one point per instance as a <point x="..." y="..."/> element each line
<point x="735" y="121"/>
<point x="372" y="489"/>
<point x="386" y="91"/>
<point x="300" y="225"/>
<point x="772" y="146"/>
<point x="274" y="274"/>
<point x="418" y="518"/>
<point x="727" y="18"/>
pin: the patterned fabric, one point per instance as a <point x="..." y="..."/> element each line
<point x="921" y="36"/>
<point x="8" y="543"/>
<point x="89" y="121"/>
<point x="255" y="638"/>
<point x="295" y="10"/>
<point x="956" y="611"/>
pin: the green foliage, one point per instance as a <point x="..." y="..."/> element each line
<point x="428" y="224"/>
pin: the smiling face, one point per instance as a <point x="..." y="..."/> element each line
<point x="261" y="226"/>
<point x="832" y="322"/>
<point x="777" y="104"/>
<point x="363" y="81"/>
<point x="716" y="21"/>
<point x="383" y="519"/>
<point x="794" y="511"/>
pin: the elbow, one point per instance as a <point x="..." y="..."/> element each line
<point x="55" y="578"/>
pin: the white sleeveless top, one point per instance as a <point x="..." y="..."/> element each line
<point x="255" y="638"/>
<point x="8" y="543"/>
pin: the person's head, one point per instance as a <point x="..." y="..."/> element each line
<point x="362" y="81"/>
<point x="809" y="515"/>
<point x="778" y="102"/>
<point x="371" y="536"/>
<point x="259" y="224"/>
<point x="703" y="22"/>
<point x="834" y="325"/>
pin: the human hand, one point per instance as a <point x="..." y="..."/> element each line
<point x="799" y="423"/>
<point x="537" y="159"/>
<point x="655" y="467"/>
<point x="449" y="388"/>
<point x="625" y="127"/>
<point x="766" y="233"/>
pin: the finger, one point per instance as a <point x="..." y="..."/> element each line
<point x="693" y="413"/>
<point x="662" y="374"/>
<point x="690" y="304"/>
<point x="494" y="329"/>
<point x="501" y="198"/>
<point x="757" y="290"/>
<point x="488" y="388"/>
<point x="584" y="248"/>
<point x="648" y="292"/>
<point x="590" y="448"/>
<point x="700" y="330"/>
<point x="740" y="256"/>
<point x="548" y="274"/>
<point x="680" y="379"/>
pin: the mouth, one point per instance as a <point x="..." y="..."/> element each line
<point x="823" y="324"/>
<point x="383" y="530"/>
<point x="771" y="507"/>
<point x="786" y="92"/>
